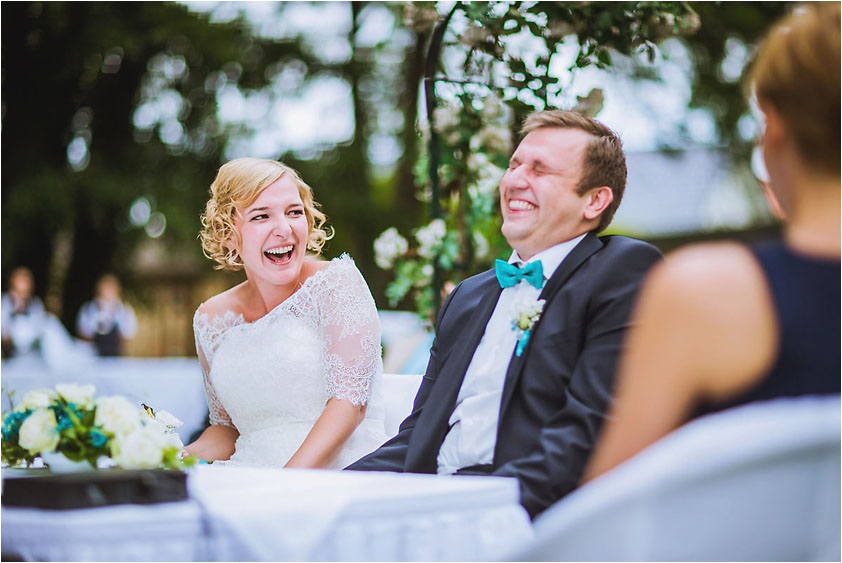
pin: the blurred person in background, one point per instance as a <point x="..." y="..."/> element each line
<point x="720" y="325"/>
<point x="23" y="315"/>
<point x="291" y="356"/>
<point x="107" y="320"/>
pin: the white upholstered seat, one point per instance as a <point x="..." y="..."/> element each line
<point x="399" y="391"/>
<point x="756" y="483"/>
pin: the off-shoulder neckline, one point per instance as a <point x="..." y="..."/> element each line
<point x="239" y="318"/>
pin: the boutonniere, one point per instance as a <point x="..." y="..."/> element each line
<point x="525" y="317"/>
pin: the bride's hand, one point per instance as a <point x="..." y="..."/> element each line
<point x="216" y="442"/>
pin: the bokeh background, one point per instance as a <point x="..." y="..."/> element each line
<point x="117" y="115"/>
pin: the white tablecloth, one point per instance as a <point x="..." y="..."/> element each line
<point x="171" y="384"/>
<point x="242" y="514"/>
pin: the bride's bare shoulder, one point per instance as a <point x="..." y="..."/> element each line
<point x="316" y="265"/>
<point x="313" y="265"/>
<point x="221" y="303"/>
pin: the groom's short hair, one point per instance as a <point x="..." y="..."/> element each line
<point x="604" y="161"/>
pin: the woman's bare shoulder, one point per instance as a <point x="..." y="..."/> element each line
<point x="317" y="264"/>
<point x="716" y="268"/>
<point x="719" y="297"/>
<point x="221" y="303"/>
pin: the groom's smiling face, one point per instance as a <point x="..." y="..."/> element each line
<point x="539" y="195"/>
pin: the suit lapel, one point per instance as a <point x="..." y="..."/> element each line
<point x="587" y="247"/>
<point x="442" y="399"/>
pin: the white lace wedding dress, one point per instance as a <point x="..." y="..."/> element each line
<point x="270" y="379"/>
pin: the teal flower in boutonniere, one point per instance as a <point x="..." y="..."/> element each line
<point x="525" y="316"/>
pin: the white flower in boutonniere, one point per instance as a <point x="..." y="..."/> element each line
<point x="526" y="314"/>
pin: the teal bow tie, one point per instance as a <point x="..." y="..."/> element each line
<point x="509" y="274"/>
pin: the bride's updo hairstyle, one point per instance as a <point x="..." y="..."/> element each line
<point x="237" y="185"/>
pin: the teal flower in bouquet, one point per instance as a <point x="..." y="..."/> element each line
<point x="11" y="425"/>
<point x="98" y="439"/>
<point x="68" y="420"/>
<point x="11" y="432"/>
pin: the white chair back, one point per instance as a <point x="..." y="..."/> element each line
<point x="756" y="483"/>
<point x="399" y="390"/>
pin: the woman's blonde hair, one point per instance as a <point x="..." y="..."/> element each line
<point x="237" y="185"/>
<point x="797" y="72"/>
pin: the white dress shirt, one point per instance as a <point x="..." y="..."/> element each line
<point x="473" y="424"/>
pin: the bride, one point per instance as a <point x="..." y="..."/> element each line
<point x="291" y="356"/>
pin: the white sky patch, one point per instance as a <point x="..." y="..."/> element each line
<point x="290" y="115"/>
<point x="291" y="123"/>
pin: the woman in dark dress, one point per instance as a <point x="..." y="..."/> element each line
<point x="719" y="325"/>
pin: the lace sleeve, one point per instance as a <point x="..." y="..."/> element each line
<point x="351" y="329"/>
<point x="206" y="335"/>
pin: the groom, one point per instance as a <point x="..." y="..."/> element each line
<point x="527" y="401"/>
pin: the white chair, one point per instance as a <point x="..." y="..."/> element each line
<point x="756" y="483"/>
<point x="399" y="390"/>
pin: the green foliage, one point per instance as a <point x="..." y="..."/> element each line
<point x="172" y="459"/>
<point x="105" y="103"/>
<point x="62" y="85"/>
<point x="81" y="439"/>
<point x="482" y="100"/>
<point x="72" y="430"/>
<point x="90" y="75"/>
<point x="726" y="26"/>
<point x="12" y="452"/>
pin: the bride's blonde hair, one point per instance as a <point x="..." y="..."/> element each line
<point x="237" y="185"/>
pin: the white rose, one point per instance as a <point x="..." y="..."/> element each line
<point x="430" y="236"/>
<point x="492" y="108"/>
<point x="489" y="179"/>
<point x="39" y="432"/>
<point x="445" y="117"/>
<point x="478" y="161"/>
<point x="481" y="245"/>
<point x="141" y="448"/>
<point x="388" y="246"/>
<point x="427" y="272"/>
<point x="116" y="415"/>
<point x="493" y="138"/>
<point x="80" y="395"/>
<point x="36" y="399"/>
<point x="534" y="308"/>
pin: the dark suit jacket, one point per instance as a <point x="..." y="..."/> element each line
<point x="555" y="395"/>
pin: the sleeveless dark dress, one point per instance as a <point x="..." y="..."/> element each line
<point x="806" y="296"/>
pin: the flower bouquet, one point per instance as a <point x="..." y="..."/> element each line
<point x="67" y="424"/>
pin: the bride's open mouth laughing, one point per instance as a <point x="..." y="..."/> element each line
<point x="280" y="254"/>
